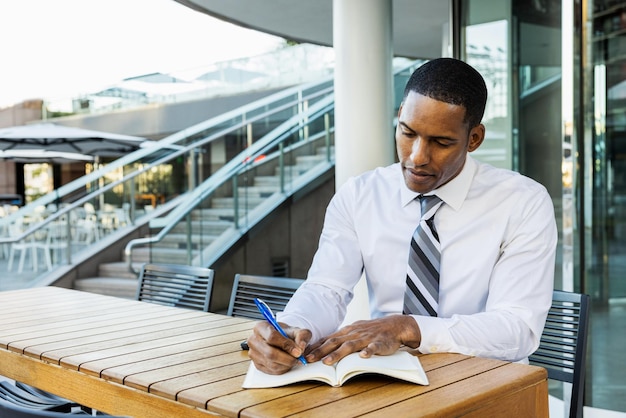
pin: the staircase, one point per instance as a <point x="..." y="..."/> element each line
<point x="113" y="278"/>
<point x="205" y="225"/>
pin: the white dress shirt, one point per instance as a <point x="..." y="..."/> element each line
<point x="498" y="241"/>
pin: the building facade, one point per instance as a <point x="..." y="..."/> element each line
<point x="558" y="88"/>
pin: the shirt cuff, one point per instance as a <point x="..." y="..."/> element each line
<point x="435" y="334"/>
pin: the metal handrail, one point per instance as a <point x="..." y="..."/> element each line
<point x="312" y="91"/>
<point x="235" y="167"/>
<point x="243" y="161"/>
<point x="171" y="141"/>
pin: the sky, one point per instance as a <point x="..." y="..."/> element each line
<point x="54" y="49"/>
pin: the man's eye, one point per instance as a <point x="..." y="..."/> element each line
<point x="443" y="142"/>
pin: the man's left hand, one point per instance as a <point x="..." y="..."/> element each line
<point x="382" y="336"/>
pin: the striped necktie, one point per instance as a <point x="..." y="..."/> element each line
<point x="422" y="291"/>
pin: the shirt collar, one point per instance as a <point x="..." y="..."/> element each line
<point x="453" y="193"/>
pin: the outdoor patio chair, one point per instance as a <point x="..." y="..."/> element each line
<point x="12" y="410"/>
<point x="90" y="222"/>
<point x="30" y="243"/>
<point x="17" y="394"/>
<point x="57" y="239"/>
<point x="275" y="291"/>
<point x="176" y="285"/>
<point x="42" y="393"/>
<point x="563" y="347"/>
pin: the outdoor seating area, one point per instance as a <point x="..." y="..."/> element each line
<point x="33" y="245"/>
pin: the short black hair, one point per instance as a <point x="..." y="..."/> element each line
<point x="451" y="81"/>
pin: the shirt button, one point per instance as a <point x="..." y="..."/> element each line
<point x="434" y="348"/>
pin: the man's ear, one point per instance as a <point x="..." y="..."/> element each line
<point x="476" y="137"/>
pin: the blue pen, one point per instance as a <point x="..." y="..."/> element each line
<point x="269" y="315"/>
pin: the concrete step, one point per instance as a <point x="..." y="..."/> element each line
<point x="267" y="181"/>
<point x="221" y="214"/>
<point x="169" y="255"/>
<point x="179" y="240"/>
<point x="140" y="255"/>
<point x="309" y="160"/>
<point x="229" y="202"/>
<point x="204" y="227"/>
<point x="322" y="151"/>
<point x="257" y="191"/>
<point x="303" y="164"/>
<point x="118" y="269"/>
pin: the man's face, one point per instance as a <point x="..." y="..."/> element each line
<point x="432" y="141"/>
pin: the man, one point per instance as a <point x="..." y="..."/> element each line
<point x="496" y="235"/>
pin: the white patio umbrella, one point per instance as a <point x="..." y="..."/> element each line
<point x="53" y="137"/>
<point x="43" y="156"/>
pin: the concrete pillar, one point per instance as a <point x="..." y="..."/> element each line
<point x="362" y="39"/>
<point x="363" y="86"/>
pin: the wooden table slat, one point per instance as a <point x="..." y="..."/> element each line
<point x="128" y="343"/>
<point x="173" y="386"/>
<point x="201" y="395"/>
<point x="389" y="393"/>
<point x="55" y="312"/>
<point x="105" y="359"/>
<point x="488" y="388"/>
<point x="40" y="343"/>
<point x="150" y="378"/>
<point x="49" y="328"/>
<point x="165" y="358"/>
<point x="68" y="352"/>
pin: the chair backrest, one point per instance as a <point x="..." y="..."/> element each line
<point x="176" y="285"/>
<point x="12" y="410"/>
<point x="563" y="347"/>
<point x="16" y="395"/>
<point x="275" y="291"/>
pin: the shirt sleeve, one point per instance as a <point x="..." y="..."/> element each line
<point x="317" y="308"/>
<point x="519" y="296"/>
<point x="320" y="303"/>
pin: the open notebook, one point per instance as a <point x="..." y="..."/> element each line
<point x="400" y="365"/>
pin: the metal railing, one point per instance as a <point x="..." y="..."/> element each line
<point x="103" y="203"/>
<point x="222" y="210"/>
<point x="306" y="134"/>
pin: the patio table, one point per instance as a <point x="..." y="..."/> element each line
<point x="133" y="358"/>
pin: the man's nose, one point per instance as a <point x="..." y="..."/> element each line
<point x="420" y="152"/>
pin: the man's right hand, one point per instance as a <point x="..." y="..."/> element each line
<point x="274" y="354"/>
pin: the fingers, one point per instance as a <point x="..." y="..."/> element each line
<point x="301" y="337"/>
<point x="379" y="348"/>
<point x="271" y="352"/>
<point x="275" y="354"/>
<point x="382" y="336"/>
<point x="337" y="346"/>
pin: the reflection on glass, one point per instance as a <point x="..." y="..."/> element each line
<point x="486" y="51"/>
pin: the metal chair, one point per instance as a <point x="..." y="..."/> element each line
<point x="16" y="395"/>
<point x="32" y="243"/>
<point x="563" y="347"/>
<point x="9" y="409"/>
<point x="176" y="285"/>
<point x="275" y="291"/>
<point x="50" y="397"/>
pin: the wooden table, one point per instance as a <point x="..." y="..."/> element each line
<point x="144" y="360"/>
